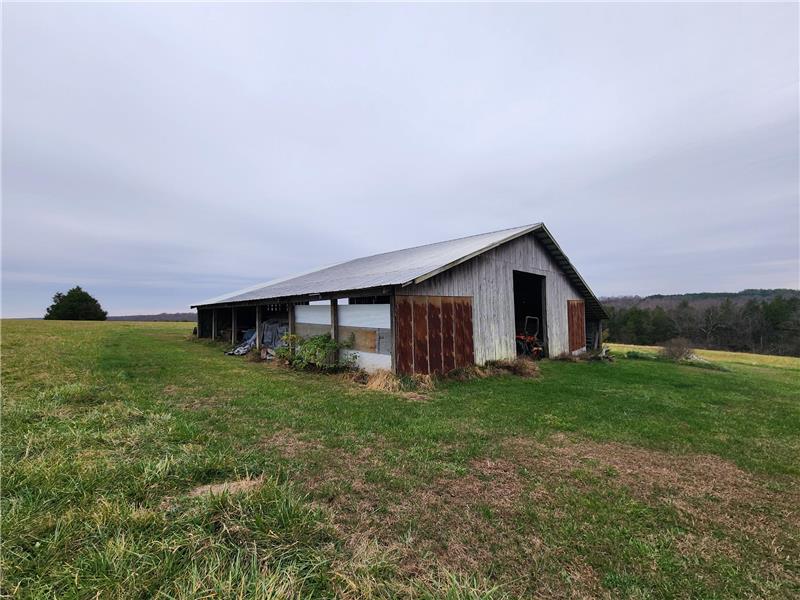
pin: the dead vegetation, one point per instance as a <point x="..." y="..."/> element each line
<point x="226" y="487"/>
<point x="413" y="385"/>
<point x="709" y="492"/>
<point x="677" y="349"/>
<point x="289" y="444"/>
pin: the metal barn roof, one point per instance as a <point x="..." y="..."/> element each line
<point x="404" y="267"/>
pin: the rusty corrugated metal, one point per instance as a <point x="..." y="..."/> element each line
<point x="404" y="336"/>
<point x="434" y="334"/>
<point x="448" y="351"/>
<point x="576" y="316"/>
<point x="420" y="304"/>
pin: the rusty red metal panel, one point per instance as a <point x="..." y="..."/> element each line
<point x="404" y="336"/>
<point x="420" y="304"/>
<point x="435" y="334"/>
<point x="576" y="321"/>
<point x="469" y="347"/>
<point x="448" y="349"/>
<point x="459" y="335"/>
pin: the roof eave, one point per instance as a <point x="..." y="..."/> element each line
<point x="561" y="259"/>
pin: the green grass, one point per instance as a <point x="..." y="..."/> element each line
<point x="635" y="479"/>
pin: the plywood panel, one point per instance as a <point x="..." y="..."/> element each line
<point x="362" y="339"/>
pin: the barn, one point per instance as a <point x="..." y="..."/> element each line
<point x="427" y="309"/>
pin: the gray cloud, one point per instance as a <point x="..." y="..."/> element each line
<point x="162" y="153"/>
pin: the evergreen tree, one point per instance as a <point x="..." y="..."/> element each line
<point x="75" y="305"/>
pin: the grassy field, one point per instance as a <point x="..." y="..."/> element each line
<point x="139" y="463"/>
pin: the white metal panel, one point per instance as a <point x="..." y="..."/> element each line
<point x="365" y="315"/>
<point x="370" y="362"/>
<point x="314" y="314"/>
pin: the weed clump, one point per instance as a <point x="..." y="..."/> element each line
<point x="320" y="352"/>
<point x="386" y="381"/>
<point x="636" y="355"/>
<point x="383" y="381"/>
<point x="688" y="359"/>
<point x="521" y="367"/>
<point x="677" y="349"/>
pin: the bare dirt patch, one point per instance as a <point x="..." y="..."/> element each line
<point x="289" y="444"/>
<point x="468" y="523"/>
<point x="226" y="487"/>
<point x="706" y="488"/>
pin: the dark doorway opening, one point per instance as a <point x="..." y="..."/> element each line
<point x="529" y="301"/>
<point x="245" y="320"/>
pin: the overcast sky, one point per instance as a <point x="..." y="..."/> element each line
<point x="159" y="155"/>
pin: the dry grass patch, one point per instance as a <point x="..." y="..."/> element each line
<point x="414" y="387"/>
<point x="226" y="487"/>
<point x="469" y="523"/>
<point x="706" y="487"/>
<point x="289" y="444"/>
<point x="521" y="367"/>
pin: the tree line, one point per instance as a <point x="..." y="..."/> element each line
<point x="761" y="326"/>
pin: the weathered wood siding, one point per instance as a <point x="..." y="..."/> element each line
<point x="488" y="278"/>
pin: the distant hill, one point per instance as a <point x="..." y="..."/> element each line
<point x="159" y="317"/>
<point x="698" y="300"/>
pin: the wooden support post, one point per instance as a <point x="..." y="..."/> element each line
<point x="393" y="329"/>
<point x="213" y="323"/>
<point x="233" y="326"/>
<point x="258" y="328"/>
<point x="335" y="325"/>
<point x="292" y="324"/>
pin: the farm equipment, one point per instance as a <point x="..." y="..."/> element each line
<point x="528" y="343"/>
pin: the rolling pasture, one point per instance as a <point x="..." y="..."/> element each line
<point x="140" y="463"/>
